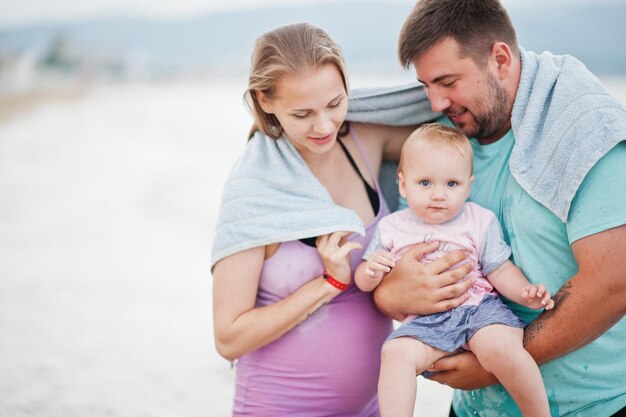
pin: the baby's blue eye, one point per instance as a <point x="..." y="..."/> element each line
<point x="452" y="184"/>
<point x="424" y="183"/>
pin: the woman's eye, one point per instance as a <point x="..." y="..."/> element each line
<point x="335" y="104"/>
<point x="300" y="116"/>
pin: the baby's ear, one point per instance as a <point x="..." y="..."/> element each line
<point x="401" y="185"/>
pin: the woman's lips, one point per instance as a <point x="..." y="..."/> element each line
<point x="323" y="140"/>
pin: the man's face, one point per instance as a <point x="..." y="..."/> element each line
<point x="471" y="96"/>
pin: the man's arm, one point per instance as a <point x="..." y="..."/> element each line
<point x="588" y="304"/>
<point x="412" y="287"/>
<point x="592" y="301"/>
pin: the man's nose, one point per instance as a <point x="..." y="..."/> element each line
<point x="438" y="100"/>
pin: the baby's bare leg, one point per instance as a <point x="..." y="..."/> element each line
<point x="402" y="360"/>
<point x="500" y="351"/>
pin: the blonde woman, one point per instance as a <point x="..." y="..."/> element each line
<point x="297" y="211"/>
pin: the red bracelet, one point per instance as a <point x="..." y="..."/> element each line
<point x="332" y="281"/>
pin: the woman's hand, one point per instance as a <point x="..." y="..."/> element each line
<point x="334" y="251"/>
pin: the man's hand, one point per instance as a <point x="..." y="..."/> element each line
<point x="462" y="371"/>
<point x="413" y="287"/>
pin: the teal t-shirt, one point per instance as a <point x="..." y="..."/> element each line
<point x="592" y="380"/>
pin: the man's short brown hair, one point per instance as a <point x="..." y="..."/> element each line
<point x="476" y="25"/>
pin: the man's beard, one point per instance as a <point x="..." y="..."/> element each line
<point x="491" y="114"/>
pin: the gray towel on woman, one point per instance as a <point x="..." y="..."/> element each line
<point x="271" y="196"/>
<point x="564" y="121"/>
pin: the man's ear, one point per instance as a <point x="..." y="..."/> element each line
<point x="401" y="185"/>
<point x="264" y="102"/>
<point x="502" y="58"/>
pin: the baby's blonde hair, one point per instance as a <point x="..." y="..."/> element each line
<point x="437" y="133"/>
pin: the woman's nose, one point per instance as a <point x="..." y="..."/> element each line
<point x="323" y="125"/>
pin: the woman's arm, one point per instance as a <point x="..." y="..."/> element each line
<point x="381" y="142"/>
<point x="395" y="136"/>
<point x="239" y="326"/>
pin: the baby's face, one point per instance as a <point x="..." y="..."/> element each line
<point x="435" y="180"/>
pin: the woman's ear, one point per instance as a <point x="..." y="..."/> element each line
<point x="264" y="102"/>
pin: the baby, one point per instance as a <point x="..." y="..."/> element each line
<point x="435" y="176"/>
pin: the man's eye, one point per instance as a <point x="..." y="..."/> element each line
<point x="450" y="84"/>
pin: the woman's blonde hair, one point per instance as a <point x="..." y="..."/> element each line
<point x="291" y="49"/>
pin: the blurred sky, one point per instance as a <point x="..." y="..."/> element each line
<point x="23" y="12"/>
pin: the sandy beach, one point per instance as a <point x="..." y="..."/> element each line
<point x="108" y="205"/>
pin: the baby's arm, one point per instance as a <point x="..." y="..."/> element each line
<point x="511" y="282"/>
<point x="369" y="273"/>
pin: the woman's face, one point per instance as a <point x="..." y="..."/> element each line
<point x="310" y="108"/>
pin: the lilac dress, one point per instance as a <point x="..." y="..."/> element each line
<point x="326" y="366"/>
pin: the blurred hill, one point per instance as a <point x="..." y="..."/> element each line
<point x="221" y="43"/>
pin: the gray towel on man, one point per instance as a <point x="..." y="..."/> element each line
<point x="564" y="121"/>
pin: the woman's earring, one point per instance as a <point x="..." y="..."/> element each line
<point x="277" y="130"/>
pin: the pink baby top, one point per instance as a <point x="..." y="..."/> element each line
<point x="326" y="366"/>
<point x="475" y="229"/>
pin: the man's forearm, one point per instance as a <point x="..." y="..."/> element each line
<point x="578" y="318"/>
<point x="388" y="296"/>
<point x="587" y="305"/>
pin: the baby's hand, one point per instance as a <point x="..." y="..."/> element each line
<point x="537" y="296"/>
<point x="379" y="263"/>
